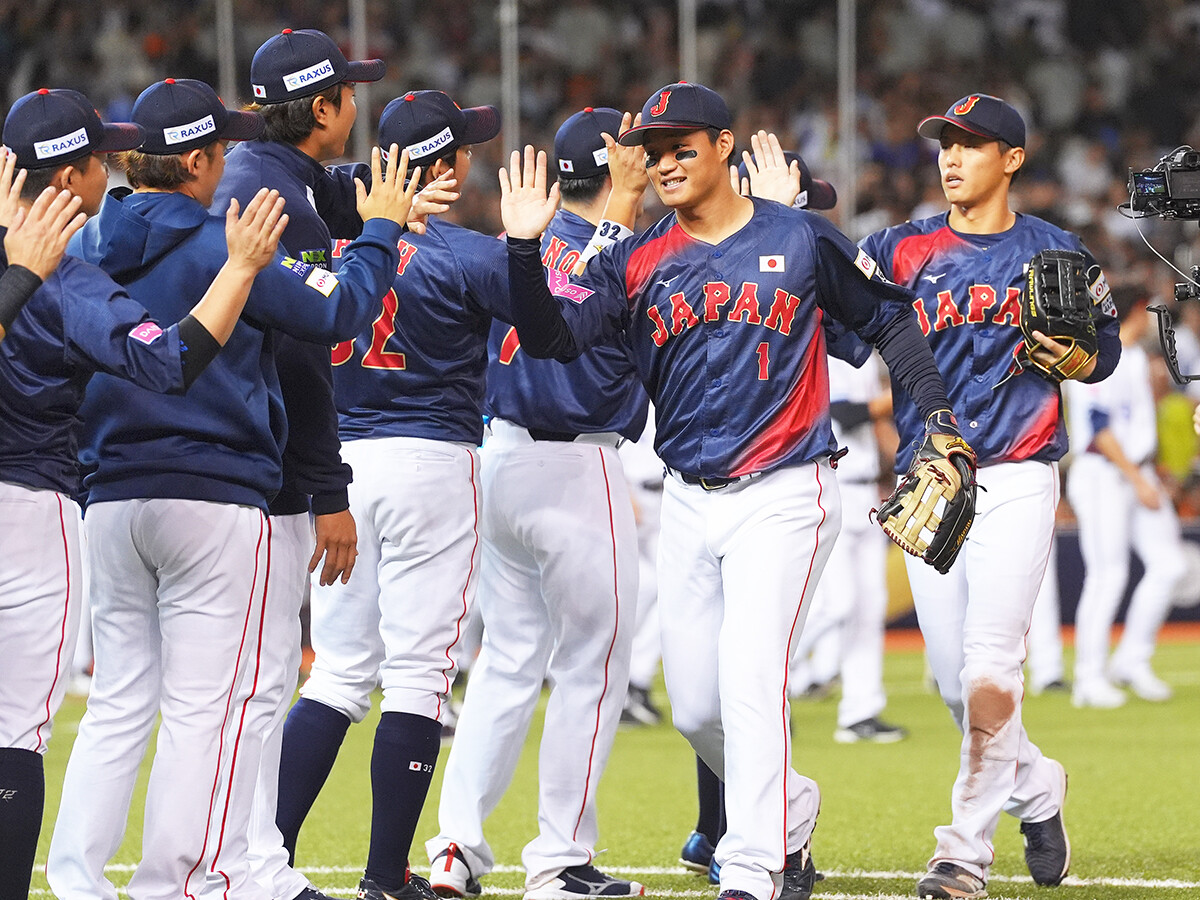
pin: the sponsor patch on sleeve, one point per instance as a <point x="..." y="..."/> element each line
<point x="146" y="333"/>
<point x="297" y="268"/>
<point x="561" y="286"/>
<point x="865" y="264"/>
<point x="321" y="280"/>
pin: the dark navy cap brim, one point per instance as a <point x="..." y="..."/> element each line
<point x="242" y="126"/>
<point x="120" y="136"/>
<point x="932" y="126"/>
<point x="636" y="136"/>
<point x="361" y="70"/>
<point x="483" y="124"/>
<point x="821" y="195"/>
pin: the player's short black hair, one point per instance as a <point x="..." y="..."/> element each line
<point x="293" y="121"/>
<point x="37" y="180"/>
<point x="159" y="172"/>
<point x="582" y="190"/>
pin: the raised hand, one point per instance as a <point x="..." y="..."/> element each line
<point x="390" y="197"/>
<point x="771" y="177"/>
<point x="11" y="182"/>
<point x="253" y="237"/>
<point x="627" y="165"/>
<point x="37" y="237"/>
<point x="526" y="208"/>
<point x="432" y="200"/>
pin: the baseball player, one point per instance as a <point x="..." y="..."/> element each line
<point x="722" y="303"/>
<point x="1120" y="504"/>
<point x="180" y="550"/>
<point x="558" y="575"/>
<point x="966" y="267"/>
<point x="409" y="390"/>
<point x="1044" y="642"/>
<point x="77" y="323"/>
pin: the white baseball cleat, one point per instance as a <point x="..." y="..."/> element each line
<point x="1143" y="682"/>
<point x="450" y="876"/>
<point x="1098" y="694"/>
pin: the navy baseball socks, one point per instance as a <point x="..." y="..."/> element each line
<point x="402" y="764"/>
<point x="22" y="796"/>
<point x="312" y="736"/>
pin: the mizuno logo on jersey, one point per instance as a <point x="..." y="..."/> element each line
<point x="770" y="264"/>
<point x="933" y="279"/>
<point x="744" y="307"/>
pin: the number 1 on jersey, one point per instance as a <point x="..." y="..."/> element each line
<point x="764" y="361"/>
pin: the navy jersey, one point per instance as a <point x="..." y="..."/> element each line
<point x="79" y="322"/>
<point x="320" y="203"/>
<point x="418" y="370"/>
<point x="599" y="391"/>
<point x="968" y="290"/>
<point x="731" y="340"/>
<point x="221" y="442"/>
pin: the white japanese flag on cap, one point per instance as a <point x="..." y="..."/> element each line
<point x="770" y="263"/>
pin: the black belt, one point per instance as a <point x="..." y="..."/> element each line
<point x="710" y="482"/>
<point x="541" y="434"/>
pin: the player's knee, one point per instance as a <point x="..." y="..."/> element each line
<point x="353" y="704"/>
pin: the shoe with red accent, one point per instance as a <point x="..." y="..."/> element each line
<point x="450" y="876"/>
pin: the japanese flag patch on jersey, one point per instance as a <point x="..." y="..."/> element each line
<point x="770" y="263"/>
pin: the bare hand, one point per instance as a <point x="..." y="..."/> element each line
<point x="254" y="237"/>
<point x="525" y="206"/>
<point x="337" y="541"/>
<point x="1196" y="418"/>
<point x="627" y="165"/>
<point x="11" y="182"/>
<point x="432" y="200"/>
<point x="771" y="177"/>
<point x="389" y="197"/>
<point x="38" y="236"/>
<point x="1147" y="493"/>
<point x="1051" y="351"/>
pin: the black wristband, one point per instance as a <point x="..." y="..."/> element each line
<point x="17" y="285"/>
<point x="197" y="348"/>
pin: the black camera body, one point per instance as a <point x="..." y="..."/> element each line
<point x="1171" y="189"/>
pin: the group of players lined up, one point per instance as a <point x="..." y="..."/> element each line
<point x="215" y="487"/>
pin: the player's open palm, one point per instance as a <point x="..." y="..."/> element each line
<point x="37" y="237"/>
<point x="390" y="197"/>
<point x="771" y="176"/>
<point x="627" y="165"/>
<point x="253" y="237"/>
<point x="525" y="206"/>
<point x="12" y="180"/>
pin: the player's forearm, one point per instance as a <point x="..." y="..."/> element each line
<point x="223" y="302"/>
<point x="1110" y="448"/>
<point x="909" y="359"/>
<point x="540" y="324"/>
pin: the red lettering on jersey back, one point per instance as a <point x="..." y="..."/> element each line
<point x="1009" y="312"/>
<point x="339" y="247"/>
<point x="682" y="315"/>
<point x="550" y="257"/>
<point x="342" y="352"/>
<point x="983" y="298"/>
<point x="947" y="312"/>
<point x="407" y="251"/>
<point x="922" y="317"/>
<point x="746" y="307"/>
<point x="509" y="347"/>
<point x="660" y="327"/>
<point x="569" y="261"/>
<point x="783" y="310"/>
<point x="716" y="295"/>
<point x="381" y="332"/>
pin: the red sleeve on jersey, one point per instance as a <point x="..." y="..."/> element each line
<point x="805" y="405"/>
<point x="644" y="260"/>
<point x="1041" y="431"/>
<point x="913" y="252"/>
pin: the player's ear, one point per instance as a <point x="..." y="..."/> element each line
<point x="725" y="144"/>
<point x="1014" y="159"/>
<point x="192" y="160"/>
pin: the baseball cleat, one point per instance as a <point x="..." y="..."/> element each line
<point x="714" y="872"/>
<point x="574" y="882"/>
<point x="1143" y="682"/>
<point x="735" y="895"/>
<point x="1047" y="848"/>
<point x="873" y="729"/>
<point x="947" y="881"/>
<point x="697" y="853"/>
<point x="800" y="875"/>
<point x="450" y="876"/>
<point x="1098" y="694"/>
<point x="311" y="893"/>
<point x="416" y="888"/>
<point x="639" y="708"/>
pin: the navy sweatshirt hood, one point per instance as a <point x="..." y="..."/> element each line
<point x="134" y="231"/>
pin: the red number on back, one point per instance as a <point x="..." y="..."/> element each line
<point x="764" y="361"/>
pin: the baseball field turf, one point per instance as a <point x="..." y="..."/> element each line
<point x="1133" y="807"/>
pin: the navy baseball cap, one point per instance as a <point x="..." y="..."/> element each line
<point x="814" y="193"/>
<point x="301" y="63"/>
<point x="428" y="124"/>
<point x="579" y="150"/>
<point x="183" y="114"/>
<point x="980" y="114"/>
<point x="52" y="127"/>
<point x="682" y="106"/>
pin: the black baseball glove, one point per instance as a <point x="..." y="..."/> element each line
<point x="933" y="506"/>
<point x="1056" y="302"/>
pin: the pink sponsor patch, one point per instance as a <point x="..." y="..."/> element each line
<point x="147" y="333"/>
<point x="560" y="286"/>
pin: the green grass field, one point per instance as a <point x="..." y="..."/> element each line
<point x="1133" y="811"/>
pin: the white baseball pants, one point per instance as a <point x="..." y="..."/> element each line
<point x="177" y="590"/>
<point x="398" y="622"/>
<point x="558" y="595"/>
<point x="1111" y="521"/>
<point x="737" y="571"/>
<point x="974" y="620"/>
